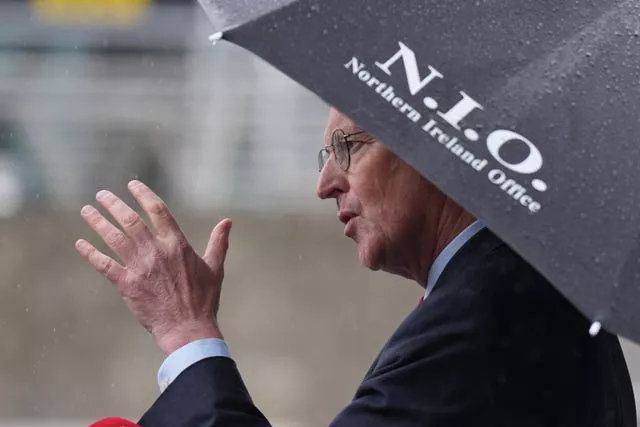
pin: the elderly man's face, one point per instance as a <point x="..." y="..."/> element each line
<point x="384" y="203"/>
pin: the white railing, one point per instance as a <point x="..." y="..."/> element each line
<point x="225" y="129"/>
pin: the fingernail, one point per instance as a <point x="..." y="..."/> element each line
<point x="134" y="183"/>
<point x="87" y="210"/>
<point x="79" y="243"/>
<point x="102" y="194"/>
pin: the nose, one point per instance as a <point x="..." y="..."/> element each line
<point x="332" y="181"/>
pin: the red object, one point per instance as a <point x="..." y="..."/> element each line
<point x="114" y="422"/>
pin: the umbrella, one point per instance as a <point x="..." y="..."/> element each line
<point x="524" y="112"/>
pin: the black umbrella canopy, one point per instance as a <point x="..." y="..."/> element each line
<point x="526" y="112"/>
<point x="226" y="14"/>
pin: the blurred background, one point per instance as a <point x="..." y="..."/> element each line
<point x="94" y="93"/>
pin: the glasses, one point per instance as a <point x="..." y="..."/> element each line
<point x="341" y="145"/>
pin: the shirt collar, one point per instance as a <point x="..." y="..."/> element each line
<point x="447" y="253"/>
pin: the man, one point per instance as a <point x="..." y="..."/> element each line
<point x="492" y="343"/>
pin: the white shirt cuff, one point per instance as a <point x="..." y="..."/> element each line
<point x="188" y="355"/>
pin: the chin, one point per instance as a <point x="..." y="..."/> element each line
<point x="370" y="255"/>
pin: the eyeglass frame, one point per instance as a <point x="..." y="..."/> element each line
<point x="332" y="147"/>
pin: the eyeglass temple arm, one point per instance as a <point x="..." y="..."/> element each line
<point x="346" y="137"/>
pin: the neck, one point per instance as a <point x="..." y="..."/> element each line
<point x="452" y="221"/>
<point x="436" y="235"/>
<point x="449" y="227"/>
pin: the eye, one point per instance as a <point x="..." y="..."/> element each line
<point x="354" y="146"/>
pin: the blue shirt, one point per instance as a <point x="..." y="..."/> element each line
<point x="181" y="359"/>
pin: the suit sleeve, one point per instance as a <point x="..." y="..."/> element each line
<point x="188" y="355"/>
<point x="481" y="354"/>
<point x="207" y="394"/>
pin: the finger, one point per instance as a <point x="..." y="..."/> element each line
<point x="131" y="223"/>
<point x="102" y="263"/>
<point x="216" y="251"/>
<point x="158" y="211"/>
<point x="119" y="242"/>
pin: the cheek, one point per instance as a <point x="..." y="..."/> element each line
<point x="391" y="210"/>
<point x="384" y="196"/>
<point x="381" y="203"/>
<point x="371" y="197"/>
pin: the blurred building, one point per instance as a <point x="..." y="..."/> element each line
<point x="107" y="90"/>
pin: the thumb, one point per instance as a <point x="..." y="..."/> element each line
<point x="216" y="251"/>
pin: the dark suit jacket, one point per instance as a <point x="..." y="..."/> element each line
<point x="493" y="345"/>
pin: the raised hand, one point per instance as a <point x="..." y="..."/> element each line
<point x="172" y="291"/>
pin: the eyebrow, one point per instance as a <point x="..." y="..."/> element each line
<point x="354" y="129"/>
<point x="362" y="136"/>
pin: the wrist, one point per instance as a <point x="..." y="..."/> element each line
<point x="182" y="335"/>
